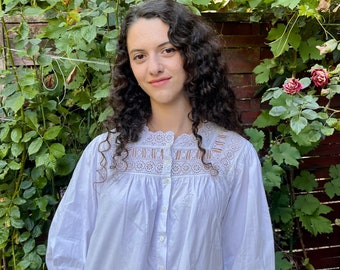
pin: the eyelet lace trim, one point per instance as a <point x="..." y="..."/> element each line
<point x="154" y="149"/>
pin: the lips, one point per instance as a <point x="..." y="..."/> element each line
<point x="159" y="82"/>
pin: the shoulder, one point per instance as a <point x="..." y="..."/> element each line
<point x="101" y="143"/>
<point x="228" y="146"/>
<point x="221" y="139"/>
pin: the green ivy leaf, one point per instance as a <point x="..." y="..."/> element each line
<point x="24" y="236"/>
<point x="283" y="37"/>
<point x="13" y="165"/>
<point x="332" y="188"/>
<point x="327" y="131"/>
<point x="306" y="204"/>
<point x="44" y="60"/>
<point x="281" y="263"/>
<point x="16" y="135"/>
<point x="310" y="114"/>
<point x="103" y="115"/>
<point x="201" y="2"/>
<point x="66" y="164"/>
<point x="256" y="137"/>
<point x="19" y="201"/>
<point x="17" y="223"/>
<point x="278" y="111"/>
<point x="14" y="212"/>
<point x="30" y="92"/>
<point x="47" y="160"/>
<point x="305" y="82"/>
<point x="316" y="224"/>
<point x="305" y="181"/>
<point x="35" y="146"/>
<point x="4" y="234"/>
<point x="52" y="133"/>
<point x="29" y="135"/>
<point x="309" y="51"/>
<point x="31" y="120"/>
<point x="26" y="184"/>
<point x="41" y="250"/>
<point x="35" y="260"/>
<point x="284" y="3"/>
<point x="101" y="93"/>
<point x="5" y="131"/>
<point x="4" y="148"/>
<point x="33" y="11"/>
<point x="9" y="89"/>
<point x="89" y="32"/>
<point x="271" y="175"/>
<point x="57" y="150"/>
<point x="263" y="70"/>
<point x="17" y="149"/>
<point x="15" y="102"/>
<point x="29" y="193"/>
<point x="285" y="153"/>
<point x="266" y="120"/>
<point x="298" y="123"/>
<point x="279" y="208"/>
<point x="42" y="203"/>
<point x="100" y="21"/>
<point x="254" y="3"/>
<point x="334" y="171"/>
<point x="332" y="122"/>
<point x="29" y="245"/>
<point x="23" y="264"/>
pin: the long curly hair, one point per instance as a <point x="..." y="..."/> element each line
<point x="206" y="84"/>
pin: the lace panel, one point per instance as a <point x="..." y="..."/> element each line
<point x="148" y="156"/>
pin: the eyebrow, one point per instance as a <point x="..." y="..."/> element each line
<point x="160" y="45"/>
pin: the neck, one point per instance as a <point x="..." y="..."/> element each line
<point x="175" y="119"/>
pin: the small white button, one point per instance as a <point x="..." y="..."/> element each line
<point x="162" y="268"/>
<point x="166" y="180"/>
<point x="161" y="238"/>
<point x="164" y="209"/>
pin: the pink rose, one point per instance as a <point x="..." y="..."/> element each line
<point x="320" y="77"/>
<point x="292" y="86"/>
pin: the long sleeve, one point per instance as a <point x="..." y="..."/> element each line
<point x="247" y="231"/>
<point x="73" y="222"/>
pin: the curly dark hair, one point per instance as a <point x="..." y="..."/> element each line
<point x="206" y="84"/>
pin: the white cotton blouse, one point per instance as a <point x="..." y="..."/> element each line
<point x="162" y="209"/>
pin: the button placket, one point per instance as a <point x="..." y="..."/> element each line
<point x="166" y="191"/>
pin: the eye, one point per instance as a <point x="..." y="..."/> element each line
<point x="169" y="51"/>
<point x="138" y="57"/>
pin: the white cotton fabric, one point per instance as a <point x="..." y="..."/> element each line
<point x="163" y="209"/>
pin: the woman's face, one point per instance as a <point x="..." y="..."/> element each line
<point x="156" y="64"/>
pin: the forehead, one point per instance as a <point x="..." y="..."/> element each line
<point x="146" y="32"/>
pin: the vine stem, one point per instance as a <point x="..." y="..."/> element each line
<point x="298" y="226"/>
<point x="20" y="176"/>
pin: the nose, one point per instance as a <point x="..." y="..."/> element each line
<point x="155" y="65"/>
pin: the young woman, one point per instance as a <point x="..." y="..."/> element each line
<point x="172" y="184"/>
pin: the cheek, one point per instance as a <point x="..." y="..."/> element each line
<point x="137" y="72"/>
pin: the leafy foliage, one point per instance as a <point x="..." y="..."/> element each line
<point x="50" y="110"/>
<point x="301" y="79"/>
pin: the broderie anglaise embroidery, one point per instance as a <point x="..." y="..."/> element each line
<point x="148" y="155"/>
